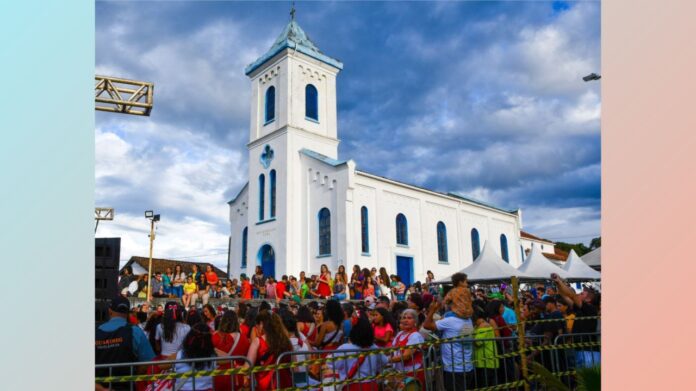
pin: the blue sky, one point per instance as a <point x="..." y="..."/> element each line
<point x="481" y="98"/>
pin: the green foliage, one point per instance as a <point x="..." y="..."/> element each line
<point x="589" y="379"/>
<point x="580" y="248"/>
<point x="544" y="376"/>
<point x="596" y="243"/>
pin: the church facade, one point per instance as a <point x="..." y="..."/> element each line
<point x="303" y="206"/>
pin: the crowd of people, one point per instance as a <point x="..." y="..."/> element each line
<point x="378" y="316"/>
<point x="195" y="285"/>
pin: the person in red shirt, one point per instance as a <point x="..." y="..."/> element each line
<point x="211" y="276"/>
<point x="246" y="287"/>
<point x="281" y="287"/>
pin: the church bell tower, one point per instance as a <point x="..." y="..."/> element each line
<point x="293" y="108"/>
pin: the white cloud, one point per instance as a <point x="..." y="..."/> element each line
<point x="174" y="238"/>
<point x="572" y="224"/>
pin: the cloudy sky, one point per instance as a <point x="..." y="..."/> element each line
<point x="481" y="98"/>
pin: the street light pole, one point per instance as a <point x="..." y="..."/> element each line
<point x="150" y="215"/>
<point x="149" y="266"/>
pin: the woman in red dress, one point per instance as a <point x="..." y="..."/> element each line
<point x="272" y="341"/>
<point x="229" y="341"/>
<point x="324" y="288"/>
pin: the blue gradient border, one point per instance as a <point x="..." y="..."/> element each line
<point x="47" y="189"/>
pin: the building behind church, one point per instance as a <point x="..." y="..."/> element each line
<point x="303" y="206"/>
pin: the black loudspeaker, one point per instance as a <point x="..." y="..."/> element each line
<point x="107" y="252"/>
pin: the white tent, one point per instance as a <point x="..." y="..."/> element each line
<point x="537" y="267"/>
<point x="578" y="270"/>
<point x="593" y="258"/>
<point x="488" y="266"/>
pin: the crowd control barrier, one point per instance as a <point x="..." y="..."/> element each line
<point x="461" y="364"/>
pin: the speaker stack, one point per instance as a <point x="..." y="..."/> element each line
<point x="107" y="252"/>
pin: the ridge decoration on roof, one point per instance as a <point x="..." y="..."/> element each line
<point x="293" y="37"/>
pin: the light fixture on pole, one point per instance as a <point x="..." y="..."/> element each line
<point x="150" y="215"/>
<point x="591" y="76"/>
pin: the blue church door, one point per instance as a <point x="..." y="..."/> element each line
<point x="404" y="269"/>
<point x="266" y="258"/>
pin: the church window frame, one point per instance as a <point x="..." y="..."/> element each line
<point x="504" y="248"/>
<point x="324" y="220"/>
<point x="311" y="103"/>
<point x="272" y="176"/>
<point x="442" y="256"/>
<point x="475" y="244"/>
<point x="262" y="195"/>
<point x="401" y="230"/>
<point x="364" y="231"/>
<point x="269" y="105"/>
<point x="245" y="237"/>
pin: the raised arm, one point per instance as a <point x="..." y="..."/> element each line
<point x="429" y="323"/>
<point x="565" y="291"/>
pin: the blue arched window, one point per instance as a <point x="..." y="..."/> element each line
<point x="504" y="248"/>
<point x="521" y="253"/>
<point x="273" y="193"/>
<point x="270" y="104"/>
<point x="262" y="189"/>
<point x="245" y="233"/>
<point x="475" y="245"/>
<point x="311" y="102"/>
<point x="324" y="232"/>
<point x="401" y="230"/>
<point x="364" y="230"/>
<point x="441" y="242"/>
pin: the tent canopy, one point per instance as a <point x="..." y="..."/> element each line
<point x="593" y="258"/>
<point x="578" y="270"/>
<point x="537" y="267"/>
<point x="488" y="266"/>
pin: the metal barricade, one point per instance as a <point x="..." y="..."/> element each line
<point x="455" y="364"/>
<point x="193" y="374"/>
<point x="386" y="369"/>
<point x="575" y="351"/>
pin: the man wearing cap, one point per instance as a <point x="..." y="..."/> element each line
<point x="119" y="342"/>
<point x="383" y="302"/>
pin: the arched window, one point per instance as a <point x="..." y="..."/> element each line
<point x="262" y="189"/>
<point x="311" y="102"/>
<point x="401" y="230"/>
<point x="504" y="248"/>
<point x="270" y="104"/>
<point x="475" y="245"/>
<point x="441" y="242"/>
<point x="521" y="253"/>
<point x="244" y="247"/>
<point x="364" y="230"/>
<point x="273" y="193"/>
<point x="324" y="232"/>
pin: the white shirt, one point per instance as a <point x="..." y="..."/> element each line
<point x="413" y="339"/>
<point x="456" y="356"/>
<point x="180" y="332"/>
<point x="202" y="383"/>
<point x="371" y="366"/>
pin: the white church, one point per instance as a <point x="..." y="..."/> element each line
<point x="303" y="206"/>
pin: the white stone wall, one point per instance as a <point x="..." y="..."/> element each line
<point x="545" y="247"/>
<point x="423" y="210"/>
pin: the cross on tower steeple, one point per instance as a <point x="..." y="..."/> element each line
<point x="292" y="11"/>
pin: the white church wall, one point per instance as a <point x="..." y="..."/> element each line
<point x="545" y="247"/>
<point x="423" y="210"/>
<point x="239" y="211"/>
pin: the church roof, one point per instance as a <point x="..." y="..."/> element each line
<point x="323" y="158"/>
<point x="451" y="195"/>
<point x="293" y="37"/>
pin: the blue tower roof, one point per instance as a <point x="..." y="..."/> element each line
<point x="295" y="38"/>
